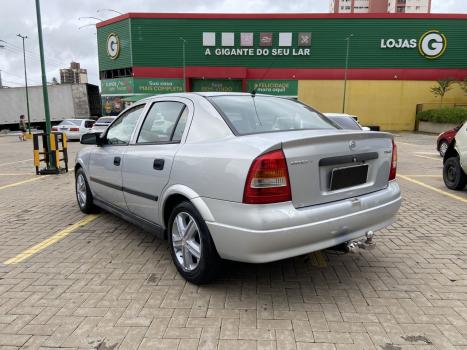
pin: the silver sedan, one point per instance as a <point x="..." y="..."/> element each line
<point x="243" y="177"/>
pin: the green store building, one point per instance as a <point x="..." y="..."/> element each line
<point x="392" y="60"/>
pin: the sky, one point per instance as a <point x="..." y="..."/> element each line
<point x="64" y="41"/>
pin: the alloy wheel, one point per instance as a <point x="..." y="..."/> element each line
<point x="81" y="190"/>
<point x="443" y="148"/>
<point x="186" y="241"/>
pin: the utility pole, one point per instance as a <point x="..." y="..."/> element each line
<point x="184" y="64"/>
<point x="26" y="82"/>
<point x="346" y="69"/>
<point x="53" y="166"/>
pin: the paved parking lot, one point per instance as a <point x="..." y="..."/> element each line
<point x="73" y="281"/>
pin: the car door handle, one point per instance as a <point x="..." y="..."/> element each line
<point x="117" y="161"/>
<point x="158" y="164"/>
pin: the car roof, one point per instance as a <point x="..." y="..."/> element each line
<point x="203" y="94"/>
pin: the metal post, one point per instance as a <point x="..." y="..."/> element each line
<point x="184" y="64"/>
<point x="26" y="82"/>
<point x="44" y="80"/>
<point x="346" y="69"/>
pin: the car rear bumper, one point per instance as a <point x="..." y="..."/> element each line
<point x="73" y="135"/>
<point x="264" y="233"/>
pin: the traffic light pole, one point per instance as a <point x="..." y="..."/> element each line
<point x="44" y="82"/>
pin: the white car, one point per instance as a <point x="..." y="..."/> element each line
<point x="455" y="161"/>
<point x="346" y="121"/>
<point x="74" y="128"/>
<point x="102" y="123"/>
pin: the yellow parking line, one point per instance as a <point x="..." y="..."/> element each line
<point x="434" y="176"/>
<point x="318" y="260"/>
<point x="49" y="241"/>
<point x="19" y="161"/>
<point x="20" y="183"/>
<point x="459" y="198"/>
<point x="433" y="158"/>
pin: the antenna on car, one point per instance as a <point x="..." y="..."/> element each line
<point x="253" y="92"/>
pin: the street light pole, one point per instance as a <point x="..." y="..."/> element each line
<point x="117" y="12"/>
<point x="184" y="64"/>
<point x="346" y="69"/>
<point x="44" y="83"/>
<point x="90" y="17"/>
<point x="26" y="82"/>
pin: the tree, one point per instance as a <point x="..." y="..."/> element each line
<point x="444" y="85"/>
<point x="463" y="85"/>
<point x="54" y="81"/>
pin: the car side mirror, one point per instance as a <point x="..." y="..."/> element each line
<point x="93" y="138"/>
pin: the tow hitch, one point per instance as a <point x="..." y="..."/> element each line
<point x="365" y="243"/>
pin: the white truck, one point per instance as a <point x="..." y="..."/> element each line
<point x="65" y="101"/>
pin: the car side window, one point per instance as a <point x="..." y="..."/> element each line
<point x="119" y="133"/>
<point x="165" y="122"/>
<point x="88" y="124"/>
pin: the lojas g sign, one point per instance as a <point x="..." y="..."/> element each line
<point x="431" y="44"/>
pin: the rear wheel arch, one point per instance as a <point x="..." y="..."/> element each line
<point x="176" y="194"/>
<point x="451" y="151"/>
<point x="170" y="203"/>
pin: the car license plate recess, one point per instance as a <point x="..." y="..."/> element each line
<point x="348" y="176"/>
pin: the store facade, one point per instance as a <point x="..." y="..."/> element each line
<point x="392" y="60"/>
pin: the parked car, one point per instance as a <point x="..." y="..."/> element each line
<point x="346" y="121"/>
<point x="444" y="140"/>
<point x="455" y="161"/>
<point x="244" y="177"/>
<point x="74" y="128"/>
<point x="102" y="123"/>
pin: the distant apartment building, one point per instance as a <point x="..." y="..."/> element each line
<point x="73" y="75"/>
<point x="380" y="6"/>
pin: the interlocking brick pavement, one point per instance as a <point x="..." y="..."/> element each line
<point x="110" y="285"/>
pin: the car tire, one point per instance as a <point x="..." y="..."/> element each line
<point x="443" y="147"/>
<point x="83" y="193"/>
<point x="453" y="175"/>
<point x="191" y="246"/>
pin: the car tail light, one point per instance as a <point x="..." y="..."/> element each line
<point x="392" y="172"/>
<point x="74" y="129"/>
<point x="54" y="129"/>
<point x="268" y="180"/>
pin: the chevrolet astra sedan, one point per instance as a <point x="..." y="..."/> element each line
<point x="243" y="177"/>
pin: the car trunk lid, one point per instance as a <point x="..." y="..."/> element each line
<point x="331" y="165"/>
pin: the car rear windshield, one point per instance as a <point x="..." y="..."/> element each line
<point x="258" y="114"/>
<point x="105" y="120"/>
<point x="347" y="123"/>
<point x="71" y="122"/>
